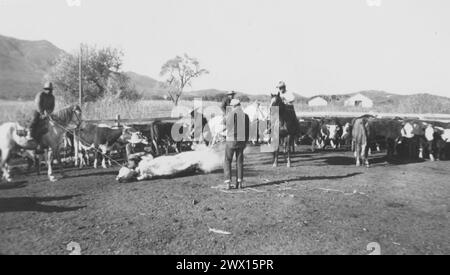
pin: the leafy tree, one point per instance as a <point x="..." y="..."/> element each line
<point x="101" y="75"/>
<point x="179" y="73"/>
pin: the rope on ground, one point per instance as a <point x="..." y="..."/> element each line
<point x="342" y="192"/>
<point x="224" y="189"/>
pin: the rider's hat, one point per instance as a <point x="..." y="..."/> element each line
<point x="48" y="86"/>
<point x="281" y="84"/>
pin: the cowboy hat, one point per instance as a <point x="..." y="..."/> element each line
<point x="231" y="93"/>
<point x="48" y="86"/>
<point x="281" y="84"/>
<point x="137" y="138"/>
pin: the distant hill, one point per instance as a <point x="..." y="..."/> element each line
<point x="23" y="64"/>
<point x="389" y="102"/>
<point x="149" y="88"/>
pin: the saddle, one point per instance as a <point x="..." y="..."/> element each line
<point x="40" y="128"/>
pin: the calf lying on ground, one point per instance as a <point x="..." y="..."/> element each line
<point x="203" y="159"/>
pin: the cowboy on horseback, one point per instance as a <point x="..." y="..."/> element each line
<point x="289" y="100"/>
<point x="288" y="97"/>
<point x="45" y="105"/>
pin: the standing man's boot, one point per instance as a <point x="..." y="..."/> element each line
<point x="228" y="184"/>
<point x="240" y="184"/>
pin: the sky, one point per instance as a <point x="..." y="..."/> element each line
<point x="315" y="46"/>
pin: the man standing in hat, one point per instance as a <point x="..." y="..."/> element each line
<point x="237" y="131"/>
<point x="227" y="100"/>
<point x="45" y="105"/>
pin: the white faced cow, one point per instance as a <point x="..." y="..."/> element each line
<point x="99" y="139"/>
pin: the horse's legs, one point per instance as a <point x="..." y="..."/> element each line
<point x="365" y="154"/>
<point x="275" y="156"/>
<point x="4" y="165"/>
<point x="87" y="159"/>
<point x="358" y="152"/>
<point x="95" y="157"/>
<point x="76" y="147"/>
<point x="60" y="163"/>
<point x="50" y="156"/>
<point x="104" y="156"/>
<point x="37" y="161"/>
<point x="313" y="145"/>
<point x="289" y="147"/>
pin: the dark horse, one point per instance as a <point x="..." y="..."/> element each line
<point x="289" y="129"/>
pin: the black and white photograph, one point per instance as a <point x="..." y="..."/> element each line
<point x="231" y="131"/>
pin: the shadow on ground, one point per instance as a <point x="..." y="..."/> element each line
<point x="13" y="185"/>
<point x="307" y="179"/>
<point x="33" y="204"/>
<point x="341" y="160"/>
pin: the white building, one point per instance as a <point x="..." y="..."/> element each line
<point x="359" y="100"/>
<point x="317" y="101"/>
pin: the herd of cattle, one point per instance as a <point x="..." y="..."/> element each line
<point x="404" y="137"/>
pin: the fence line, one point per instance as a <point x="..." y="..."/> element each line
<point x="434" y="117"/>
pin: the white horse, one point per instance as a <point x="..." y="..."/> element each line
<point x="12" y="137"/>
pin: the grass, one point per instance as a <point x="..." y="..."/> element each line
<point x="21" y="111"/>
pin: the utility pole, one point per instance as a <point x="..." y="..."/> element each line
<point x="80" y="76"/>
<point x="80" y="102"/>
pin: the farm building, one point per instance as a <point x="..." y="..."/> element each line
<point x="359" y="100"/>
<point x="317" y="101"/>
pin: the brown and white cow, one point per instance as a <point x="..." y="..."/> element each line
<point x="99" y="139"/>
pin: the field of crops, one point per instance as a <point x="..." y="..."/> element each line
<point x="21" y="111"/>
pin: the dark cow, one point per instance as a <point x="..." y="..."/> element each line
<point x="414" y="140"/>
<point x="424" y="138"/>
<point x="383" y="129"/>
<point x="99" y="139"/>
<point x="159" y="134"/>
<point x="162" y="137"/>
<point x="437" y="142"/>
<point x="310" y="129"/>
<point x="348" y="126"/>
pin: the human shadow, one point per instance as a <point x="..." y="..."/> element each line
<point x="342" y="160"/>
<point x="13" y="185"/>
<point x="33" y="204"/>
<point x="278" y="182"/>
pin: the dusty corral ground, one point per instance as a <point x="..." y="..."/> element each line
<point x="323" y="205"/>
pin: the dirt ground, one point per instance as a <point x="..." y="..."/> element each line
<point x="323" y="205"/>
